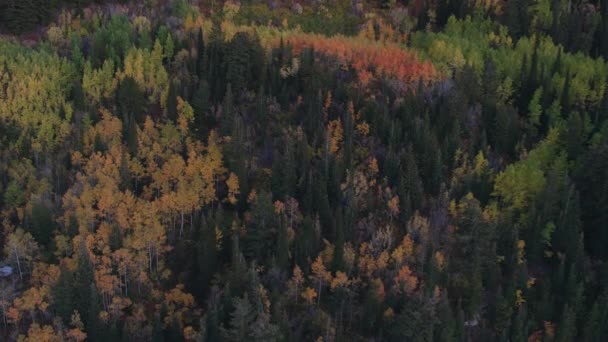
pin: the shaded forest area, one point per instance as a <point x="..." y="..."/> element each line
<point x="327" y="171"/>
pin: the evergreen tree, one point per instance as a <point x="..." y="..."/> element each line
<point x="567" y="231"/>
<point x="201" y="106"/>
<point x="566" y="330"/>
<point x="244" y="61"/>
<point x="519" y="327"/>
<point x="595" y="330"/>
<point x="517" y="17"/>
<point x="201" y="61"/>
<point x="415" y="322"/>
<point x="602" y="31"/>
<point x="506" y="130"/>
<point x="131" y="102"/>
<point x="157" y="331"/>
<point x="5" y="79"/>
<point x="575" y="135"/>
<point x="20" y="16"/>
<point x="338" y="260"/>
<point x="207" y="258"/>
<point x="242" y="319"/>
<point x="83" y="279"/>
<point x="410" y="185"/>
<point x="172" y="103"/>
<point x="63" y="295"/>
<point x="289" y="169"/>
<point x="236" y="158"/>
<point x="565" y="96"/>
<point x="305" y="244"/>
<point x="42" y="223"/>
<point x="282" y="254"/>
<point x="93" y="323"/>
<point x="228" y="111"/>
<point x="174" y="331"/>
<point x="215" y="70"/>
<point x="131" y="135"/>
<point x="260" y="237"/>
<point x="593" y="185"/>
<point x="445" y="324"/>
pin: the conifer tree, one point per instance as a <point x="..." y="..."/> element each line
<point x="83" y="279"/>
<point x="207" y="254"/>
<point x="305" y="244"/>
<point x="282" y="251"/>
<point x="63" y="295"/>
<point x="201" y="106"/>
<point x="201" y="61"/>
<point x="172" y="103"/>
<point x="93" y="324"/>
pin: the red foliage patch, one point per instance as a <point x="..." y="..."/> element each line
<point x="371" y="60"/>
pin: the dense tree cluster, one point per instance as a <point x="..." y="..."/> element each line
<point x="436" y="171"/>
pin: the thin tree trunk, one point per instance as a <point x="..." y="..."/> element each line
<point x="181" y="227"/>
<point x="126" y="283"/>
<point x="18" y="263"/>
<point x="327" y="329"/>
<point x="4" y="313"/>
<point x="156" y="255"/>
<point x="319" y="298"/>
<point x="150" y="257"/>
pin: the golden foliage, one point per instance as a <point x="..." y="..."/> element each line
<point x="99" y="84"/>
<point x="393" y="205"/>
<point x="519" y="298"/>
<point x="36" y="333"/>
<point x="146" y="68"/>
<point x="382" y="261"/>
<point x="388" y="314"/>
<point x="404" y="251"/>
<point x="296" y="281"/>
<point x="185" y="115"/>
<point x="320" y="273"/>
<point x="373" y="165"/>
<point x="340" y="280"/>
<point x="335" y="135"/>
<point x="521" y="253"/>
<point x="233" y="188"/>
<point x="309" y="295"/>
<point x="76" y="334"/>
<point x="363" y="128"/>
<point x="405" y="280"/>
<point x="439" y="260"/>
<point x="178" y="304"/>
<point x="32" y="300"/>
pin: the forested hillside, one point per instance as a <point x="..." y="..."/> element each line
<point x="176" y="170"/>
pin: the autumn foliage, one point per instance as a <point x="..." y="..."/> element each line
<point x="173" y="175"/>
<point x="370" y="60"/>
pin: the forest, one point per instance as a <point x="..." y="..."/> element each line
<point x="327" y="170"/>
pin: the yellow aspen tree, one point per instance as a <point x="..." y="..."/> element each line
<point x="309" y="295"/>
<point x="405" y="280"/>
<point x="296" y="282"/>
<point x="76" y="333"/>
<point x="320" y="274"/>
<point x="335" y="135"/>
<point x="37" y="333"/>
<point x="233" y="188"/>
